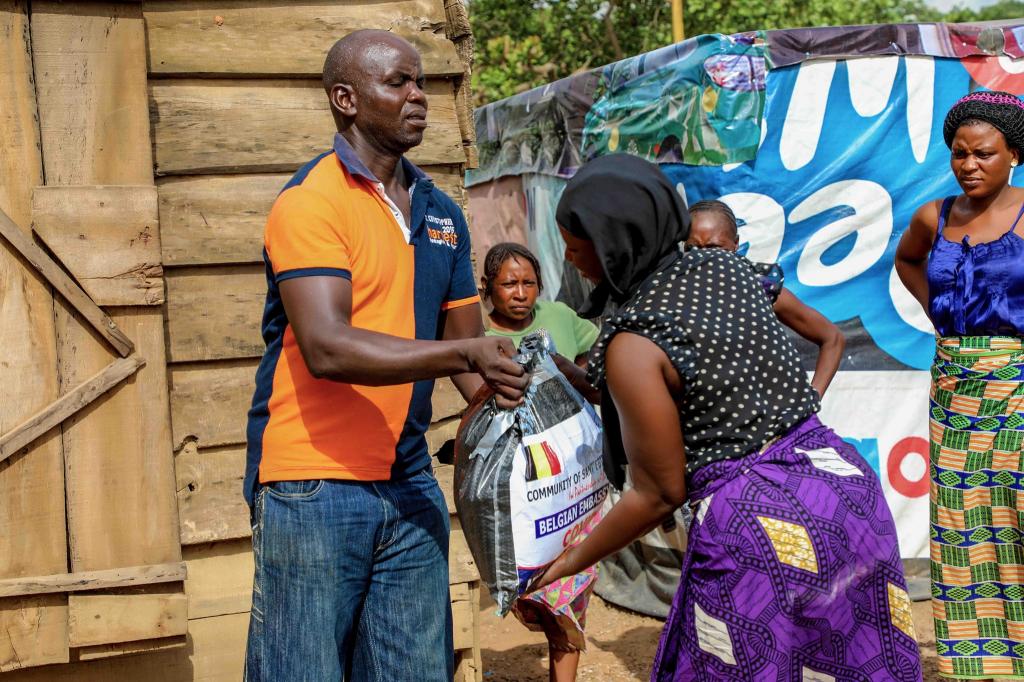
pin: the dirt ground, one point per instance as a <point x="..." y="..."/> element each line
<point x="620" y="645"/>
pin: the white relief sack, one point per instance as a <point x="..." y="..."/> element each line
<point x="527" y="480"/>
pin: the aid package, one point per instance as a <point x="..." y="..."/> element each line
<point x="527" y="480"/>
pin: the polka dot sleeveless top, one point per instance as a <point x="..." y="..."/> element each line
<point x="742" y="381"/>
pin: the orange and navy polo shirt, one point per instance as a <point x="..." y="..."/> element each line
<point x="333" y="219"/>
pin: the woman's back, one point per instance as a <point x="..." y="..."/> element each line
<point x="742" y="381"/>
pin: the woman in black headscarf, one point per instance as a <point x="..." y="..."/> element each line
<point x="792" y="570"/>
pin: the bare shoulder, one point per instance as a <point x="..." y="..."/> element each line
<point x="926" y="217"/>
<point x="634" y="360"/>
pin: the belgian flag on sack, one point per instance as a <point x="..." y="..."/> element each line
<point x="541" y="461"/>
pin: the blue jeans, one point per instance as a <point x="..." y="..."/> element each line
<point x="351" y="582"/>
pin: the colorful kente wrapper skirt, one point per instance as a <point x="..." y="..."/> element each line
<point x="976" y="426"/>
<point x="792" y="572"/>
<point x="560" y="609"/>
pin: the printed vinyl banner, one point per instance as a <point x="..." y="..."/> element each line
<point x="850" y="148"/>
<point x="823" y="142"/>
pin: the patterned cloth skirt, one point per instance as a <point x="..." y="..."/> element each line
<point x="560" y="609"/>
<point x="792" y="572"/>
<point x="977" y="506"/>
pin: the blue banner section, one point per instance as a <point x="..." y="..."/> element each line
<point x="850" y="149"/>
<point x="567" y="517"/>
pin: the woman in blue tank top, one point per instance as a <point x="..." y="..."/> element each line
<point x="963" y="259"/>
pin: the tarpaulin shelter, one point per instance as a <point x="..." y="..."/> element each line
<point x="823" y="141"/>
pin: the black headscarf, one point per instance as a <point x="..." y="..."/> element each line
<point x="636" y="220"/>
<point x="633" y="215"/>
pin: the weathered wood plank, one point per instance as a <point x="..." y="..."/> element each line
<point x="209" y="402"/>
<point x="119" y="466"/>
<point x="219" y="578"/>
<point x="441" y="432"/>
<point x="210" y="502"/>
<point x="219" y="126"/>
<point x="68" y="404"/>
<point x="34" y="631"/>
<point x="93" y="99"/>
<point x="445" y="475"/>
<point x="468" y="663"/>
<point x="208" y="220"/>
<point x="216" y="653"/>
<point x="212" y="220"/>
<point x="21" y="162"/>
<point x="215" y="313"/>
<point x="90" y="66"/>
<point x="219" y="647"/>
<point x="64" y="285"/>
<point x="461" y="566"/>
<point x="234" y="37"/>
<point x="32" y="521"/>
<point x="93" y="580"/>
<point x="145" y="646"/>
<point x="107" y="237"/>
<point x="463" y="616"/>
<point x="127" y="615"/>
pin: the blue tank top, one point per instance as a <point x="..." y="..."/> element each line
<point x="976" y="290"/>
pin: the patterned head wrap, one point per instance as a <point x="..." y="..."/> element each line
<point x="1001" y="109"/>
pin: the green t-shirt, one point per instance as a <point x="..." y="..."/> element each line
<point x="573" y="336"/>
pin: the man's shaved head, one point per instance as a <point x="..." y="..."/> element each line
<point x="374" y="82"/>
<point x="350" y="59"/>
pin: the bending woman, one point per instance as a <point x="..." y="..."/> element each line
<point x="963" y="259"/>
<point x="792" y="571"/>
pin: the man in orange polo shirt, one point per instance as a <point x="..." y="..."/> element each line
<point x="371" y="296"/>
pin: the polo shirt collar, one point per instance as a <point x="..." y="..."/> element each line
<point x="355" y="166"/>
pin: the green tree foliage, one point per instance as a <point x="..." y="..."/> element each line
<point x="1005" y="9"/>
<point x="525" y="43"/>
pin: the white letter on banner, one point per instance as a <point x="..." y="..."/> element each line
<point x="920" y="103"/>
<point x="806" y="114"/>
<point x="871" y="80"/>
<point x="764" y="224"/>
<point x="871" y="222"/>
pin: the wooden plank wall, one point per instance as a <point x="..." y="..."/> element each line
<point x="32" y="517"/>
<point x="235" y="106"/>
<point x="97" y="493"/>
<point x="119" y="478"/>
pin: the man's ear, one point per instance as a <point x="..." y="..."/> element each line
<point x="343" y="99"/>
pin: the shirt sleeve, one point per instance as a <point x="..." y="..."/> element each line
<point x="462" y="290"/>
<point x="305" y="237"/>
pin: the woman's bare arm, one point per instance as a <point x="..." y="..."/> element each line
<point x="816" y="328"/>
<point x="914" y="247"/>
<point x="642" y="382"/>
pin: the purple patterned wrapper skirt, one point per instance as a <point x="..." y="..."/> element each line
<point x="792" y="572"/>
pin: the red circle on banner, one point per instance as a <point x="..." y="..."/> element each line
<point x="912" y="445"/>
